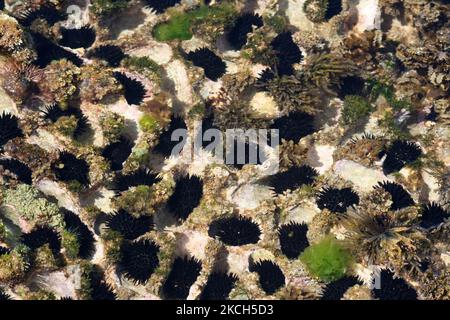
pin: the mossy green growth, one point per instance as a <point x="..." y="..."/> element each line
<point x="66" y="125"/>
<point x="45" y="259"/>
<point x="355" y="109"/>
<point x="197" y="111"/>
<point x="145" y="66"/>
<point x="148" y="123"/>
<point x="179" y="27"/>
<point x="30" y="204"/>
<point x="112" y="241"/>
<point x="106" y="7"/>
<point x="15" y="264"/>
<point x="141" y="64"/>
<point x="388" y="121"/>
<point x="327" y="259"/>
<point x="277" y="22"/>
<point x="85" y="290"/>
<point x="113" y="125"/>
<point x="40" y="295"/>
<point x="71" y="244"/>
<point x="138" y="201"/>
<point x="379" y="88"/>
<point x="3" y="232"/>
<point x="315" y="10"/>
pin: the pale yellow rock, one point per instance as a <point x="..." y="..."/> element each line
<point x="264" y="105"/>
<point x="363" y="178"/>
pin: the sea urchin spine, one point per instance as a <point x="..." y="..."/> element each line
<point x="337" y="200"/>
<point x="69" y="168"/>
<point x="139" y="260"/>
<point x="400" y="197"/>
<point x="271" y="278"/>
<point x="41" y="236"/>
<point x="399" y="154"/>
<point x="186" y="197"/>
<point x="243" y="25"/>
<point x="292" y="178"/>
<point x="9" y="128"/>
<point x="294" y="126"/>
<point x="293" y="239"/>
<point x="212" y="64"/>
<point x="235" y="231"/>
<point x="128" y="226"/>
<point x="218" y="286"/>
<point x="433" y="215"/>
<point x="392" y="288"/>
<point x="180" y="279"/>
<point x="134" y="90"/>
<point x="83" y="37"/>
<point x="18" y="168"/>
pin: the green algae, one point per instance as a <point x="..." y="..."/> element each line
<point x="179" y="27"/>
<point x="328" y="259"/>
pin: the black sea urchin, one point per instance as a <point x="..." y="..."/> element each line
<point x="113" y="55"/>
<point x="337" y="200"/>
<point x="128" y="226"/>
<point x="392" y="288"/>
<point x="263" y="78"/>
<point x="4" y="296"/>
<point x="336" y="289"/>
<point x="218" y="286"/>
<point x="235" y="231"/>
<point x="292" y="178"/>
<point x="288" y="53"/>
<point x="53" y="112"/>
<point x="9" y="128"/>
<point x="100" y="289"/>
<point x="334" y="7"/>
<point x="139" y="260"/>
<point x="69" y="168"/>
<point x="294" y="126"/>
<point x="47" y="51"/>
<point x="186" y="197"/>
<point x="243" y="25"/>
<point x="41" y="236"/>
<point x="82" y="37"/>
<point x="166" y="144"/>
<point x="134" y="90"/>
<point x="117" y="152"/>
<point x="2" y="4"/>
<point x="4" y="250"/>
<point x="47" y="12"/>
<point x="293" y="239"/>
<point x="161" y="5"/>
<point x="18" y="168"/>
<point x="212" y="64"/>
<point x="82" y="126"/>
<point x="84" y="235"/>
<point x="399" y="154"/>
<point x="400" y="197"/>
<point x="351" y="85"/>
<point x="180" y="279"/>
<point x="137" y="178"/>
<point x="432" y="215"/>
<point x="271" y="278"/>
